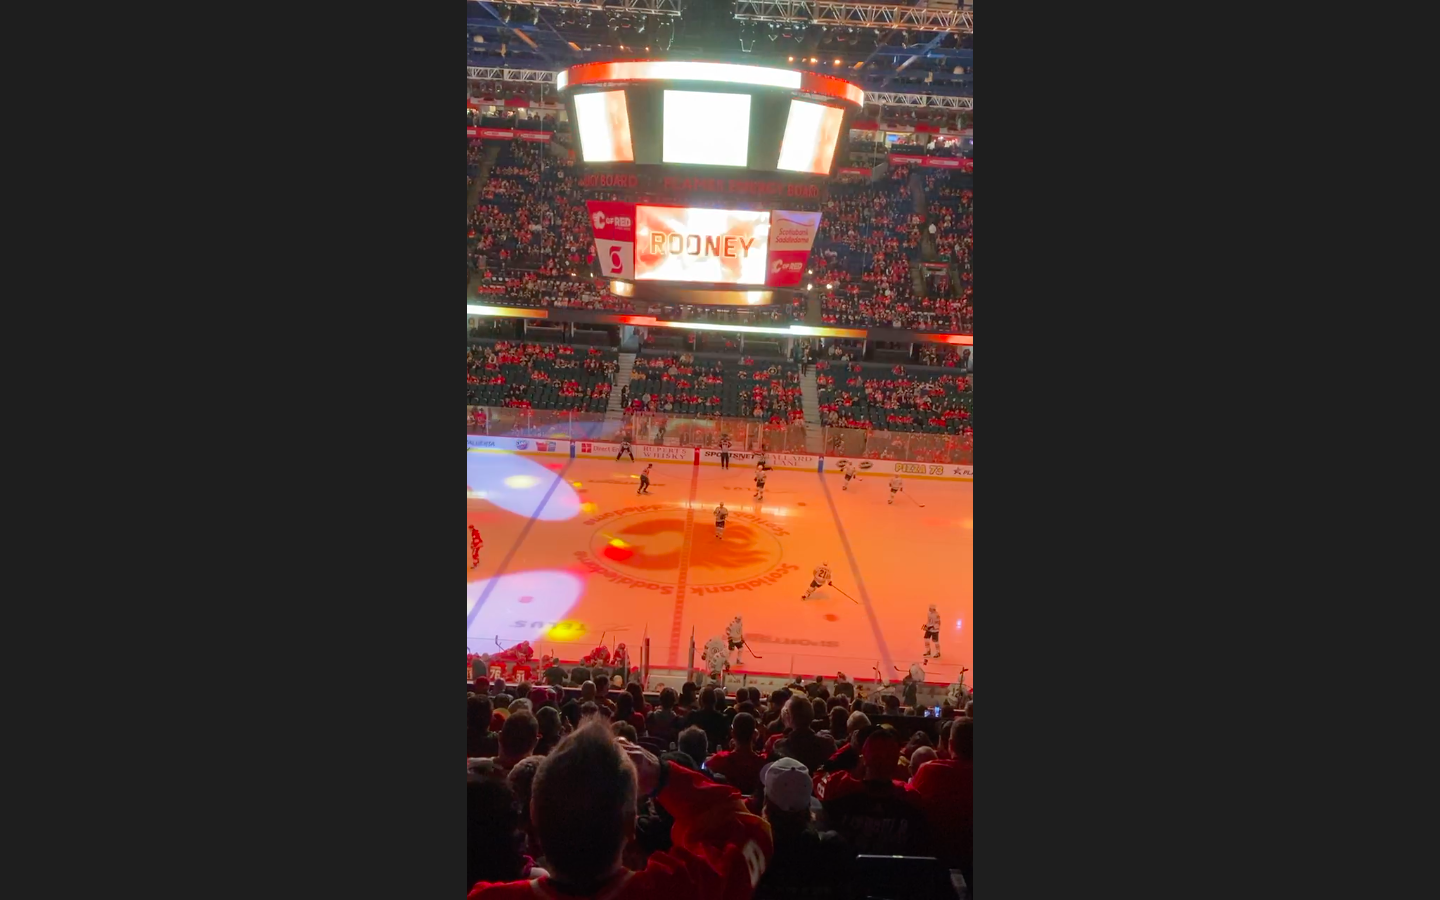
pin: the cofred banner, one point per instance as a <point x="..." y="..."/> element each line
<point x="614" y="226"/>
<point x="792" y="235"/>
<point x="506" y="134"/>
<point x="486" y="443"/>
<point x="903" y="468"/>
<point x="796" y="462"/>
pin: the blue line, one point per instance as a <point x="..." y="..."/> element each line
<point x="505" y="563"/>
<point x="859" y="580"/>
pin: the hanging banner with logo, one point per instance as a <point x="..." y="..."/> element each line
<point x="792" y="235"/>
<point x="614" y="225"/>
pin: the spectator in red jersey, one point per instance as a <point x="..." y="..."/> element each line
<point x="946" y="791"/>
<point x="719" y="851"/>
<point x="740" y="765"/>
<point x="864" y="802"/>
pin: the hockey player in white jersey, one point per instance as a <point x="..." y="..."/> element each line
<point x="850" y="474"/>
<point x="762" y="459"/>
<point x="716" y="657"/>
<point x="759" y="484"/>
<point x="720" y="514"/>
<point x="895" y="487"/>
<point x="822" y="578"/>
<point x="932" y="633"/>
<point x="735" y="638"/>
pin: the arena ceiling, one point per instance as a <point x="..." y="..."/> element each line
<point x="909" y="54"/>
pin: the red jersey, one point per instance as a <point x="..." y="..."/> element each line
<point x="719" y="851"/>
<point x="742" y="770"/>
<point x="946" y="789"/>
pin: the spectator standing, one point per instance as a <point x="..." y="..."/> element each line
<point x="806" y="860"/>
<point x="709" y="719"/>
<point x="864" y="802"/>
<point x="946" y="789"/>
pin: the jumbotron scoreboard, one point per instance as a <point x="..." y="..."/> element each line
<point x="719" y="170"/>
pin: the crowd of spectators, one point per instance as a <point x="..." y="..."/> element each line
<point x="538" y="376"/>
<point x="530" y="214"/>
<point x="578" y="786"/>
<point x="951" y="207"/>
<point x="861" y="264"/>
<point x="878" y="411"/>
<point x="744" y="388"/>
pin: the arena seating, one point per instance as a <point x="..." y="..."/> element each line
<point x="951" y="207"/>
<point x="767" y="389"/>
<point x="868" y="236"/>
<point x="900" y="399"/>
<point x="539" y="376"/>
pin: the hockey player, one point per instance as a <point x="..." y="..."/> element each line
<point x="850" y="473"/>
<point x="762" y="460"/>
<point x="735" y="637"/>
<point x="625" y="449"/>
<point x="759" y="484"/>
<point x="475" y="545"/>
<point x="932" y="633"/>
<point x="716" y="658"/>
<point x="724" y="451"/>
<point x="720" y="514"/>
<point x="645" y="479"/>
<point x="895" y="487"/>
<point x="822" y="578"/>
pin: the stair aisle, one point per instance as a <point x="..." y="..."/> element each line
<point x="810" y="396"/>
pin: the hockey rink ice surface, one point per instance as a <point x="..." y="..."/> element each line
<point x="572" y="553"/>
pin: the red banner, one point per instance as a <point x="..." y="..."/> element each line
<point x="506" y="134"/>
<point x="852" y="170"/>
<point x="929" y="129"/>
<point x="899" y="158"/>
<point x="949" y="162"/>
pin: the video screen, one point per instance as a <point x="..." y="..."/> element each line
<point x="706" y="129"/>
<point x="711" y="246"/>
<point x="604" y="126"/>
<point x="810" y="135"/>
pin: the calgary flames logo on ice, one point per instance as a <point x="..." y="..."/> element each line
<point x="647" y="544"/>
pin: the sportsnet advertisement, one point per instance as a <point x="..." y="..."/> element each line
<point x="484" y="442"/>
<point x="707" y="246"/>
<point x="792" y="235"/>
<point x="614" y="226"/>
<point x="799" y="463"/>
<point x="945" y="471"/>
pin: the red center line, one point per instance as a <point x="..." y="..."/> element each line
<point x="673" y="658"/>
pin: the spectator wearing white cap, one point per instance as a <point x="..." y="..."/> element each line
<point x="806" y="859"/>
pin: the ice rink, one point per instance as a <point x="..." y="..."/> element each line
<point x="571" y="552"/>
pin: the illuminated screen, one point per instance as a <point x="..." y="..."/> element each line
<point x="810" y="135"/>
<point x="604" y="125"/>
<point x="719" y="246"/>
<point x="706" y="129"/>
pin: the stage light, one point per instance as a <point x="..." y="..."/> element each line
<point x="792" y="59"/>
<point x="837" y="62"/>
<point x="809" y="287"/>
<point x="829" y="287"/>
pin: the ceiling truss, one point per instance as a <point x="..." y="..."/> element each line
<point x="856" y="15"/>
<point x="645" y="7"/>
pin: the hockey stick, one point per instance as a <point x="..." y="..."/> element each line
<point x="832" y="584"/>
<point x="752" y="652"/>
<point x="917" y="502"/>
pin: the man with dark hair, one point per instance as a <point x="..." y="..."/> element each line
<point x="517" y="739"/>
<point x="801" y="742"/>
<point x="480" y="741"/>
<point x="864" y="802"/>
<point x="708" y="718"/>
<point x="946" y="788"/>
<point x="548" y="721"/>
<point x="720" y="849"/>
<point x="664" y="723"/>
<point x="740" y="765"/>
<point x="812" y="690"/>
<point x="692" y="741"/>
